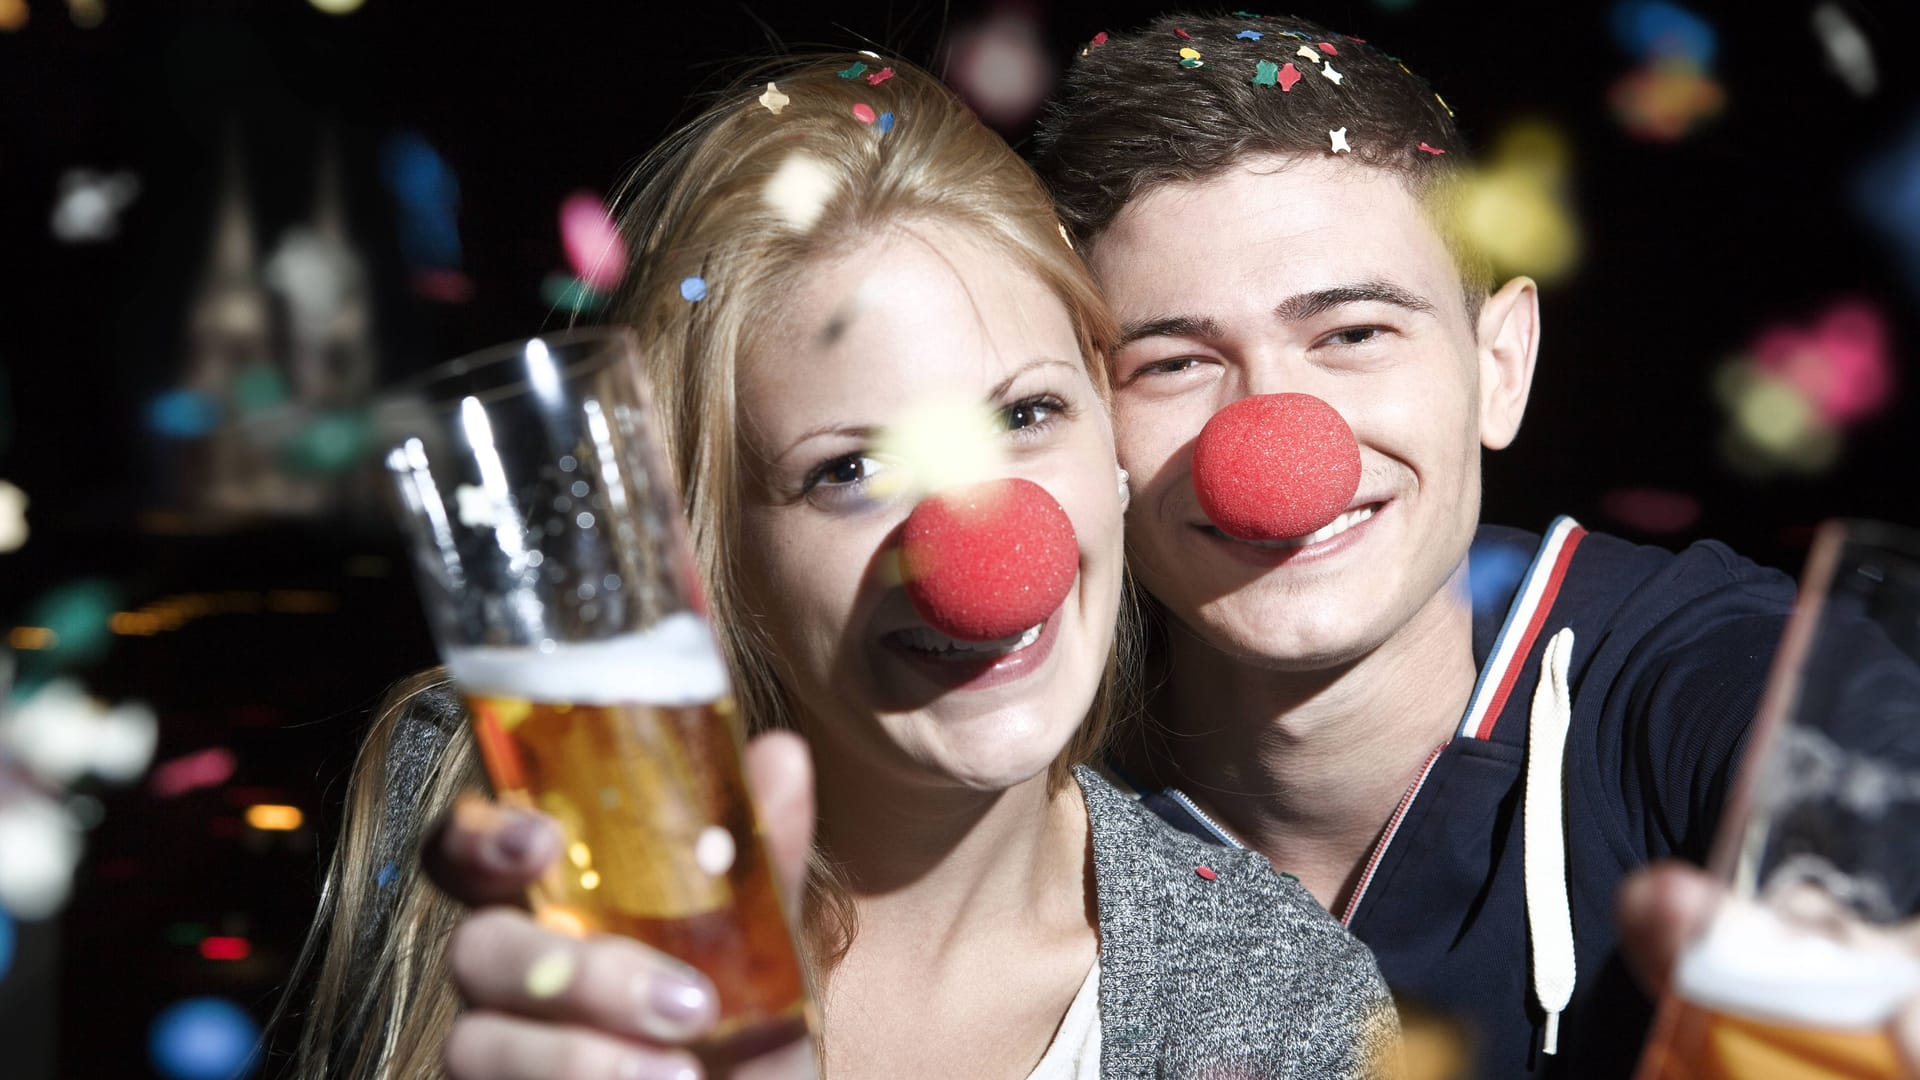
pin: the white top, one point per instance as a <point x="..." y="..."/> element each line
<point x="1074" y="1053"/>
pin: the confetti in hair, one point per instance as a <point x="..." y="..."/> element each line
<point x="885" y="122"/>
<point x="1248" y="35"/>
<point x="799" y="189"/>
<point x="774" y="100"/>
<point x="693" y="289"/>
<point x="1264" y="72"/>
<point x="880" y="76"/>
<point x="1434" y="150"/>
<point x="1288" y="76"/>
<point x="863" y="112"/>
<point x="858" y="69"/>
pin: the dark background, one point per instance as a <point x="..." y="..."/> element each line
<point x="1691" y="249"/>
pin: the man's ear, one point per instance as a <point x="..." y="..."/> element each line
<point x="1509" y="341"/>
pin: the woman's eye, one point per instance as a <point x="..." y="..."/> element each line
<point x="845" y="471"/>
<point x="1029" y="413"/>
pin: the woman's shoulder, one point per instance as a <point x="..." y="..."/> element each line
<point x="1206" y="948"/>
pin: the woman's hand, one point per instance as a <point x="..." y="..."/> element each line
<point x="543" y="1004"/>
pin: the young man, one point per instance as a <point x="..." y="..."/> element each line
<point x="1403" y="728"/>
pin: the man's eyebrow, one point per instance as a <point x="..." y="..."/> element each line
<point x="1191" y="326"/>
<point x="1303" y="306"/>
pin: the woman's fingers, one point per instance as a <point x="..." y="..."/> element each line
<point x="1661" y="909"/>
<point x="489" y="1046"/>
<point x="780" y="775"/>
<point x="484" y="853"/>
<point x="503" y="961"/>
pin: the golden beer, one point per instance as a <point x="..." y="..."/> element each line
<point x="1758" y="999"/>
<point x="661" y="840"/>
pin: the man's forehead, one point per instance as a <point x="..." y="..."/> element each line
<point x="1276" y="187"/>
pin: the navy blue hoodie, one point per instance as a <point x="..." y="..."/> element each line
<point x="1668" y="657"/>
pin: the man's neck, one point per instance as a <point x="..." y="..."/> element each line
<point x="1307" y="767"/>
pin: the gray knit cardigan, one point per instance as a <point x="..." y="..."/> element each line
<point x="1231" y="972"/>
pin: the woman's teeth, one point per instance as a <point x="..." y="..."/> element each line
<point x="1326" y="532"/>
<point x="924" y="640"/>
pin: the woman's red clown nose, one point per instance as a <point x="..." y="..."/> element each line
<point x="988" y="561"/>
<point x="1275" y="467"/>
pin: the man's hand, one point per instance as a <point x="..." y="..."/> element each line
<point x="544" y="1004"/>
<point x="1664" y="906"/>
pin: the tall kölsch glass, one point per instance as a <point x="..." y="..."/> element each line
<point x="554" y="565"/>
<point x="1815" y="944"/>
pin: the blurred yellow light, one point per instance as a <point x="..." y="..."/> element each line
<point x="273" y="817"/>
<point x="561" y="920"/>
<point x="32" y="638"/>
<point x="337" y="7"/>
<point x="13" y="14"/>
<point x="590" y="879"/>
<point x="578" y="852"/>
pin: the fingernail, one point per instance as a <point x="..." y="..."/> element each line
<point x="520" y="839"/>
<point x="674" y="1005"/>
<point x="650" y="1067"/>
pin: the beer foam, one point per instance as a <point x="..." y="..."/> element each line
<point x="1752" y="964"/>
<point x="673" y="662"/>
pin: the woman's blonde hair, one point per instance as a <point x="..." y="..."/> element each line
<point x="806" y="164"/>
<point x="699" y="206"/>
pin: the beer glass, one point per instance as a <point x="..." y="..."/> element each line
<point x="553" y="562"/>
<point x="1814" y="943"/>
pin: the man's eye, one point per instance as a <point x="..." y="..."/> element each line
<point x="1354" y="335"/>
<point x="1169" y="367"/>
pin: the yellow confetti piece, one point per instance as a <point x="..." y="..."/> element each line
<point x="551" y="974"/>
<point x="774" y="100"/>
<point x="1189" y="53"/>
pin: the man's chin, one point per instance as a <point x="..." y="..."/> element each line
<point x="1283" y="645"/>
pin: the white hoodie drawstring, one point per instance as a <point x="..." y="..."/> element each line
<point x="1549" y="914"/>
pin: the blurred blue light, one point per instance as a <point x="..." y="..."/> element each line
<point x="6" y="944"/>
<point x="429" y="198"/>
<point x="1656" y="30"/>
<point x="183" y="414"/>
<point x="1888" y="194"/>
<point x="204" y="1038"/>
<point x="1493" y="571"/>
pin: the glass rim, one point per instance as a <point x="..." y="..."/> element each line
<point x="438" y="388"/>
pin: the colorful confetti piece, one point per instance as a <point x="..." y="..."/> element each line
<point x="1327" y="70"/>
<point x="1328" y="48"/>
<point x="595" y="249"/>
<point x="1338" y="139"/>
<point x="863" y="112"/>
<point x="1264" y="72"/>
<point x="1206" y="872"/>
<point x="693" y="289"/>
<point x="1432" y="149"/>
<point x="1189" y="53"/>
<point x="1248" y="35"/>
<point x="858" y="69"/>
<point x="1308" y="53"/>
<point x="1288" y="76"/>
<point x="1099" y="39"/>
<point x="774" y="100"/>
<point x="880" y="76"/>
<point x="1184" y="36"/>
<point x="885" y="123"/>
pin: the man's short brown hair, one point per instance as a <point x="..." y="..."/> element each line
<point x="1130" y="115"/>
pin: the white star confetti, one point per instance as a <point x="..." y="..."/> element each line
<point x="1327" y="70"/>
<point x="1339" y="140"/>
<point x="774" y="100"/>
<point x="799" y="190"/>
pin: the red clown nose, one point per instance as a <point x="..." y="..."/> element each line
<point x="989" y="560"/>
<point x="1275" y="467"/>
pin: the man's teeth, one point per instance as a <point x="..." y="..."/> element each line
<point x="926" y="640"/>
<point x="1326" y="532"/>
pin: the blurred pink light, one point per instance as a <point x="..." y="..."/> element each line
<point x="594" y="248"/>
<point x="204" y="768"/>
<point x="1840" y="364"/>
<point x="1651" y="510"/>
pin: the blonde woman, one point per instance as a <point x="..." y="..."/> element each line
<point x="977" y="903"/>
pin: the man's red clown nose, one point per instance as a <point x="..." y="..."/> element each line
<point x="988" y="561"/>
<point x="1275" y="467"/>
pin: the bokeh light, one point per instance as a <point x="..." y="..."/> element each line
<point x="1651" y="510"/>
<point x="274" y="817"/>
<point x="1000" y="68"/>
<point x="183" y="414"/>
<point x="1792" y="394"/>
<point x="1516" y="210"/>
<point x="203" y="1038"/>
<point x="1887" y="193"/>
<point x="427" y="195"/>
<point x="1657" y="30"/>
<point x="87" y="206"/>
<point x="76" y="613"/>
<point x="13" y="15"/>
<point x="6" y="944"/>
<point x="201" y="769"/>
<point x="338" y="7"/>
<point x="1666" y="100"/>
<point x="594" y="248"/>
<point x="13" y="518"/>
